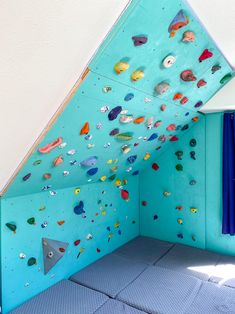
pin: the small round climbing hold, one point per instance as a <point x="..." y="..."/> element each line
<point x="144" y="203"/>
<point x="129" y="97"/>
<point x="77" y="191"/>
<point x="188" y="37"/>
<point x="32" y="261"/>
<point x="47" y="176"/>
<point x="179" y="154"/>
<point x="155" y="166"/>
<point x="121" y="67"/>
<point x="180" y="221"/>
<point x="188" y="76"/>
<point x="179" y="167"/>
<point x="193" y="210"/>
<point x="193" y="142"/>
<point x="31" y="221"/>
<point x="168" y="61"/>
<point x="137" y="75"/>
<point x="162" y="88"/>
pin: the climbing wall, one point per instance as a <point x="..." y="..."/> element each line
<point x="91" y="226"/>
<point x="137" y="105"/>
<point x="156" y="68"/>
<point x="173" y="195"/>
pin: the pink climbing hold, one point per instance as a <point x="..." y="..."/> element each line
<point x="163" y="107"/>
<point x="48" y="148"/>
<point x="171" y="127"/>
<point x="201" y="83"/>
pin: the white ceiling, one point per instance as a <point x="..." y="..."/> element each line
<point x="45" y="46"/>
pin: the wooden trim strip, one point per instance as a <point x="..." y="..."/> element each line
<point x="46" y="129"/>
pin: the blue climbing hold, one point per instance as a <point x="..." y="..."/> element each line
<point x="79" y="209"/>
<point x="152" y="137"/>
<point x="132" y="159"/>
<point x="92" y="171"/>
<point x="129" y="97"/>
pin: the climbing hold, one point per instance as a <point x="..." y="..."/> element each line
<point x="114" y="113"/>
<point x="144" y="203"/>
<point x="99" y="126"/>
<point x="89" y="162"/>
<point x="107" y="89"/>
<point x="166" y="193"/>
<point x="58" y="161"/>
<point x="179" y="21"/>
<point x="77" y="191"/>
<point x="112" y="177"/>
<point x="71" y="152"/>
<point x="180" y="235"/>
<point x="177" y="96"/>
<point x="37" y="162"/>
<point x="168" y="61"/>
<point x="157" y="123"/>
<point x="26" y="177"/>
<point x="60" y="222"/>
<point x="179" y="208"/>
<point x="193" y="182"/>
<point x="188" y="76"/>
<point x="132" y="159"/>
<point x="44" y="224"/>
<point x="149" y="122"/>
<point x="155" y="166"/>
<point x="194" y="237"/>
<point x="179" y="167"/>
<point x="179" y="154"/>
<point x="162" y="88"/>
<point x="152" y="137"/>
<point x="53" y="251"/>
<point x="139" y="120"/>
<point x="103" y="178"/>
<point x="32" y="261"/>
<point x="193" y="210"/>
<point x="226" y="78"/>
<point x="180" y="221"/>
<point x="104" y="109"/>
<point x="198" y="104"/>
<point x="185" y="127"/>
<point x="79" y="209"/>
<point x="114" y="132"/>
<point x="125" y="195"/>
<point x="184" y="100"/>
<point x="171" y="127"/>
<point x="137" y="75"/>
<point x="128" y="136"/>
<point x="89" y="236"/>
<point x="125" y="149"/>
<point x="31" y="221"/>
<point x="174" y="138"/>
<point x="201" y="83"/>
<point x="195" y="119"/>
<point x="215" y="68"/>
<point x="146" y="156"/>
<point x="11" y="226"/>
<point x="139" y="40"/>
<point x="22" y="256"/>
<point x="193" y="155"/>
<point x="118" y="182"/>
<point x="188" y="37"/>
<point x="77" y="242"/>
<point x="46" y="176"/>
<point x="85" y="129"/>
<point x="129" y="97"/>
<point x="81" y="251"/>
<point x="135" y="173"/>
<point x="66" y="173"/>
<point x="155" y="217"/>
<point x="48" y="148"/>
<point x="193" y="142"/>
<point x="121" y="66"/>
<point x="92" y="171"/>
<point x="126" y="118"/>
<point x="205" y="55"/>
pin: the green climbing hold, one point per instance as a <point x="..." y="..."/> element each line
<point x="128" y="136"/>
<point x="111" y="178"/>
<point x="226" y="78"/>
<point x="31" y="221"/>
<point x="11" y="226"/>
<point x="179" y="154"/>
<point x="179" y="167"/>
<point x="32" y="261"/>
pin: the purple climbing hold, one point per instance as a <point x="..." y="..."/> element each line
<point x="139" y="40"/>
<point x="198" y="104"/>
<point x="114" y="113"/>
<point x="114" y="132"/>
<point x="26" y="177"/>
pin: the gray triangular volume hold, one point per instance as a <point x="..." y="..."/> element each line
<point x="53" y="251"/>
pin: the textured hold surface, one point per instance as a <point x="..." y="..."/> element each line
<point x="64" y="297"/>
<point x="159" y="290"/>
<point x="109" y="275"/>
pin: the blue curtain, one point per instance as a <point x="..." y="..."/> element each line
<point x="229" y="174"/>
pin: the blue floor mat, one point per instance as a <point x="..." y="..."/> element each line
<point x="213" y="299"/>
<point x="190" y="261"/>
<point x="109" y="275"/>
<point x="64" y="297"/>
<point x="143" y="249"/>
<point x="158" y="290"/>
<point x="116" y="307"/>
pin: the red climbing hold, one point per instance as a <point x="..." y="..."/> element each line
<point x="205" y="55"/>
<point x="155" y="166"/>
<point x="174" y="138"/>
<point x="77" y="242"/>
<point x="125" y="194"/>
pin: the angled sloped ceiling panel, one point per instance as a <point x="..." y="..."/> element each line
<point x="152" y="19"/>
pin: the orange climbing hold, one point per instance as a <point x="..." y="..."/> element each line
<point x="177" y="96"/>
<point x="85" y="129"/>
<point x="139" y="120"/>
<point x="58" y="161"/>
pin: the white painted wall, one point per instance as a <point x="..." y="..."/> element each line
<point x="44" y="47"/>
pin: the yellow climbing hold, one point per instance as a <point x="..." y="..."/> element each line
<point x="114" y="169"/>
<point x="103" y="178"/>
<point x="137" y="75"/>
<point x="77" y="191"/>
<point x="117" y="224"/>
<point x="121" y="67"/>
<point x="147" y="156"/>
<point x="193" y="210"/>
<point x="118" y="182"/>
<point x="180" y="221"/>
